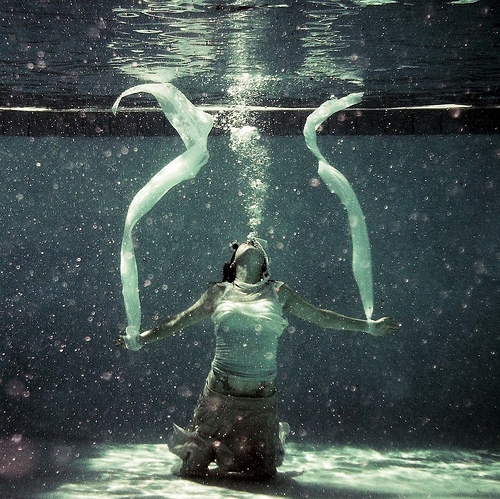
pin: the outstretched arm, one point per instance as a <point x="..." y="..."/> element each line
<point x="202" y="309"/>
<point x="296" y="305"/>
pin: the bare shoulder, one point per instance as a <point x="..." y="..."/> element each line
<point x="293" y="303"/>
<point x="213" y="293"/>
<point x="215" y="288"/>
<point x="286" y="295"/>
<point x="205" y="305"/>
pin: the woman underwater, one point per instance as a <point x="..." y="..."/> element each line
<point x="235" y="423"/>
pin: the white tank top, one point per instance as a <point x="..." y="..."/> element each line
<point x="248" y="321"/>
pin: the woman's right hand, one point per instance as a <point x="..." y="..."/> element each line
<point x="120" y="342"/>
<point x="133" y="343"/>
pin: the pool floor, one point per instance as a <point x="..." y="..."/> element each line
<point x="145" y="470"/>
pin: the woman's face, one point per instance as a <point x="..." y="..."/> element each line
<point x="249" y="253"/>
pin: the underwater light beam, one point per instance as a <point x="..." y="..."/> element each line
<point x="338" y="184"/>
<point x="193" y="126"/>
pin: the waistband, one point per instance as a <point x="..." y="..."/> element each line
<point x="226" y="384"/>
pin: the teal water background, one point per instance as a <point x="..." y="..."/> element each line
<point x="431" y="206"/>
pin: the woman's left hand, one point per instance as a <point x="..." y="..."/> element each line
<point x="383" y="326"/>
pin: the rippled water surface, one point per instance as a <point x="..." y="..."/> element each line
<point x="290" y="52"/>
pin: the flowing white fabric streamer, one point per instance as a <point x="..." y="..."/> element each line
<point x="193" y="126"/>
<point x="338" y="184"/>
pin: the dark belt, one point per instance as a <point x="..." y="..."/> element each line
<point x="240" y="387"/>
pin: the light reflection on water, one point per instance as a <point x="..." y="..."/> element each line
<point x="399" y="52"/>
<point x="309" y="471"/>
<point x="205" y="44"/>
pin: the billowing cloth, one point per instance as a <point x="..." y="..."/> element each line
<point x="193" y="125"/>
<point x="338" y="184"/>
<point x="248" y="321"/>
<point x="241" y="434"/>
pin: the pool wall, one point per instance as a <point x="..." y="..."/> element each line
<point x="427" y="120"/>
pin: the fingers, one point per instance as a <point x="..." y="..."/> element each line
<point x="392" y="324"/>
<point x="387" y="325"/>
<point x="120" y="342"/>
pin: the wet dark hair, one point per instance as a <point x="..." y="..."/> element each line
<point x="229" y="269"/>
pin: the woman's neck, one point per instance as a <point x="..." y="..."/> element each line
<point x="248" y="275"/>
<point x="249" y="262"/>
